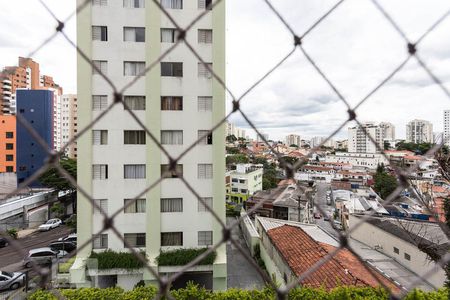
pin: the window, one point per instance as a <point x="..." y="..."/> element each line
<point x="173" y="4"/>
<point x="103" y="204"/>
<point x="171" y="204"/>
<point x="9" y="169"/>
<point x="234" y="190"/>
<point x="135" y="102"/>
<point x="133" y="68"/>
<point x="204" y="103"/>
<point x="168" y="35"/>
<point x="133" y="171"/>
<point x="99" y="137"/>
<point x="99" y="102"/>
<point x="134" y="137"/>
<point x="100" y="242"/>
<point x="100" y="33"/>
<point x="132" y="206"/>
<point x="205" y="171"/>
<point x="205" y="36"/>
<point x="9" y="134"/>
<point x="234" y="180"/>
<point x="9" y="146"/>
<point x="205" y="238"/>
<point x="171" y="238"/>
<point x="203" y="71"/>
<point x="206" y="136"/>
<point x="100" y="2"/>
<point x="242" y="180"/>
<point x="407" y="256"/>
<point x="243" y="191"/>
<point x="133" y="3"/>
<point x="172" y="137"/>
<point x="174" y="69"/>
<point x="100" y="65"/>
<point x="396" y="250"/>
<point x="9" y="157"/>
<point x="204" y="4"/>
<point x="171" y="103"/>
<point x="166" y="173"/>
<point x="208" y="201"/>
<point x="134" y="34"/>
<point x="134" y="239"/>
<point x="99" y="171"/>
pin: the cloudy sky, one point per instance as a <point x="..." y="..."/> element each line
<point x="355" y="47"/>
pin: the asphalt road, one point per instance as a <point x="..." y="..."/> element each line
<point x="321" y="200"/>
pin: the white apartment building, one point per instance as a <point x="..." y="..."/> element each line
<point x="359" y="138"/>
<point x="69" y="123"/>
<point x="178" y="101"/>
<point x="446" y="133"/>
<point x="358" y="160"/>
<point x="388" y="131"/>
<point x="57" y="136"/>
<point x="317" y="140"/>
<point x="419" y="131"/>
<point x="293" y="139"/>
<point x="232" y="129"/>
<point x="245" y="181"/>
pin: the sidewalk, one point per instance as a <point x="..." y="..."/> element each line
<point x="24" y="232"/>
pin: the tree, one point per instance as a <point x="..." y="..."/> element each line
<point x="293" y="145"/>
<point x="385" y="183"/>
<point x="53" y="179"/>
<point x="232" y="150"/>
<point x="237" y="159"/>
<point x="386" y="145"/>
<point x="231" y="138"/>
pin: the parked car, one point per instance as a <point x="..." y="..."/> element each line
<point x="317" y="215"/>
<point x="327" y="217"/>
<point x="42" y="256"/>
<point x="69" y="238"/>
<point x="50" y="224"/>
<point x="3" y="242"/>
<point x="63" y="245"/>
<point x="11" y="280"/>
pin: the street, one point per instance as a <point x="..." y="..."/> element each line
<point x="320" y="200"/>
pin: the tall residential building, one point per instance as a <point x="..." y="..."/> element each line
<point x="293" y="139"/>
<point x="7" y="144"/>
<point x="178" y="101"/>
<point x="419" y="131"/>
<point x="231" y="129"/>
<point x="388" y="131"/>
<point x="69" y="123"/>
<point x="446" y="133"/>
<point x="359" y="138"/>
<point x="36" y="107"/>
<point x="317" y="140"/>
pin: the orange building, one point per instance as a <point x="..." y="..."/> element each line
<point x="7" y="143"/>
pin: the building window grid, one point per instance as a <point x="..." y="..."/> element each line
<point x="171" y="205"/>
<point x="134" y="171"/>
<point x="100" y="242"/>
<point x="168" y="35"/>
<point x="201" y="205"/>
<point x="99" y="137"/>
<point x="171" y="238"/>
<point x="165" y="173"/>
<point x="204" y="103"/>
<point x="100" y="33"/>
<point x="134" y="239"/>
<point x="100" y="171"/>
<point x="9" y="146"/>
<point x="134" y="137"/>
<point x="205" y="136"/>
<point x="134" y="34"/>
<point x="205" y="171"/>
<point x="133" y="3"/>
<point x="172" y="137"/>
<point x="99" y="2"/>
<point x="136" y="206"/>
<point x="172" y="4"/>
<point x="101" y="65"/>
<point x="133" y="68"/>
<point x="205" y="4"/>
<point x="135" y="102"/>
<point x="205" y="36"/>
<point x="205" y="238"/>
<point x="172" y="69"/>
<point x="204" y="70"/>
<point x="171" y="103"/>
<point x="9" y="157"/>
<point x="103" y="204"/>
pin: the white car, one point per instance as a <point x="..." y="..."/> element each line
<point x="69" y="238"/>
<point x="50" y="224"/>
<point x="42" y="256"/>
<point x="11" y="280"/>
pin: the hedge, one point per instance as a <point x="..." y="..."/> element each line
<point x="181" y="257"/>
<point x="117" y="260"/>
<point x="194" y="292"/>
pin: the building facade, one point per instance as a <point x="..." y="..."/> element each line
<point x="446" y="133"/>
<point x="293" y="139"/>
<point x="388" y="131"/>
<point x="7" y="144"/>
<point x="245" y="180"/>
<point x="36" y="107"/>
<point x="69" y="123"/>
<point x="419" y="131"/>
<point x="178" y="101"/>
<point x="367" y="138"/>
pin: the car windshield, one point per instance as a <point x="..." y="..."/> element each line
<point x="7" y="274"/>
<point x="49" y="222"/>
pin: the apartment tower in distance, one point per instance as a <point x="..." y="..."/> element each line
<point x="419" y="131"/>
<point x="178" y="100"/>
<point x="446" y="133"/>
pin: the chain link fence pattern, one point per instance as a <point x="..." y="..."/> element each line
<point x="298" y="39"/>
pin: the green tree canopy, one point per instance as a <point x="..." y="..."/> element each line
<point x="385" y="183"/>
<point x="237" y="159"/>
<point x="231" y="138"/>
<point x="53" y="179"/>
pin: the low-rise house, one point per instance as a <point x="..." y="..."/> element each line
<point x="245" y="181"/>
<point x="358" y="160"/>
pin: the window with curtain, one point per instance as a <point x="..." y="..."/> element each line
<point x="133" y="171"/>
<point x="204" y="103"/>
<point x="205" y="171"/>
<point x="132" y="206"/>
<point x="205" y="36"/>
<point x="99" y="137"/>
<point x="101" y="65"/>
<point x="100" y="172"/>
<point x="135" y="102"/>
<point x="172" y="4"/>
<point x="100" y="242"/>
<point x="99" y="2"/>
<point x="205" y="4"/>
<point x="134" y="137"/>
<point x="103" y="204"/>
<point x="205" y="238"/>
<point x="100" y="33"/>
<point x="206" y="137"/>
<point x="172" y="137"/>
<point x="173" y="69"/>
<point x="168" y="35"/>
<point x="166" y="173"/>
<point x="203" y="71"/>
<point x="206" y="200"/>
<point x="134" y="34"/>
<point x="134" y="239"/>
<point x="99" y="102"/>
<point x="171" y="103"/>
<point x="133" y="3"/>
<point x="171" y="238"/>
<point x="171" y="204"/>
<point x="133" y="68"/>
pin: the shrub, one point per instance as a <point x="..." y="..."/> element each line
<point x="117" y="260"/>
<point x="65" y="266"/>
<point x="181" y="257"/>
<point x="12" y="232"/>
